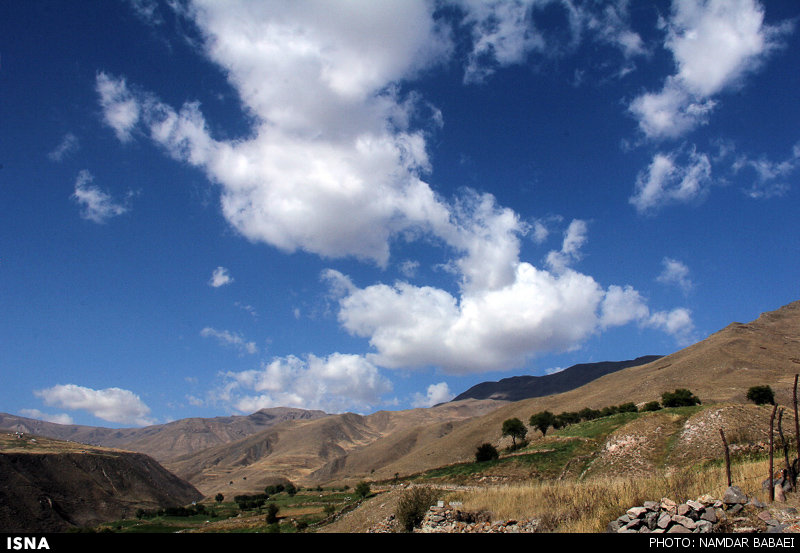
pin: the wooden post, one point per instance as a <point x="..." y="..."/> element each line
<point x="771" y="452"/>
<point x="796" y="422"/>
<point x="727" y="457"/>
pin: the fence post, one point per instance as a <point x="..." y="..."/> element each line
<point x="727" y="457"/>
<point x="771" y="453"/>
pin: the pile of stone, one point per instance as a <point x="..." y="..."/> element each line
<point x="449" y="518"/>
<point x="735" y="512"/>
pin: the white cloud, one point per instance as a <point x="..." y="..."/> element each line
<point x="677" y="322"/>
<point x="771" y="176"/>
<point x="666" y="181"/>
<point x="69" y="145"/>
<point x="98" y="206"/>
<point x="220" y="277"/>
<point x="675" y="272"/>
<point x="230" y="339"/>
<point x="61" y="418"/>
<point x="336" y="383"/>
<point x="120" y="108"/>
<point x="574" y="239"/>
<point x="334" y="166"/>
<point x="504" y="32"/>
<point x="625" y="305"/>
<point x="435" y="394"/>
<point x="111" y="404"/>
<point x="714" y="43"/>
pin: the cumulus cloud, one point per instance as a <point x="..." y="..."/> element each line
<point x="336" y="383"/>
<point x="97" y="206"/>
<point x="220" y="277"/>
<point x="435" y="394"/>
<point x="675" y="272"/>
<point x="229" y="338"/>
<point x="335" y="166"/>
<point x="671" y="178"/>
<point x="61" y="418"/>
<point x="623" y="305"/>
<point x="111" y="404"/>
<point x="714" y="44"/>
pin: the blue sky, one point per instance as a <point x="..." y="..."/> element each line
<point x="214" y="207"/>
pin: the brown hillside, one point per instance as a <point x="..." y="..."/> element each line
<point x="49" y="485"/>
<point x="297" y="449"/>
<point x="718" y="369"/>
<point x="165" y="441"/>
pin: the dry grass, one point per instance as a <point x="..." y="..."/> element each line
<point x="590" y="505"/>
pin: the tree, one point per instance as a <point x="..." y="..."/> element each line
<point x="761" y="395"/>
<point x="219" y="497"/>
<point x="543" y="421"/>
<point x="651" y="406"/>
<point x="486" y="452"/>
<point x="272" y="513"/>
<point x="516" y="429"/>
<point x="681" y="397"/>
<point x="362" y="489"/>
<point x="629" y="407"/>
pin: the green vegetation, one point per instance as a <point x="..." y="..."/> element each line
<point x="542" y="421"/>
<point x="413" y="505"/>
<point x="679" y="398"/>
<point x="761" y="395"/>
<point x="486" y="452"/>
<point x="362" y="489"/>
<point x="516" y="429"/>
<point x="283" y="513"/>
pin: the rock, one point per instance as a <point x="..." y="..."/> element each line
<point x="679" y="529"/>
<point x="709" y="515"/>
<point x="704" y="527"/>
<point x="636" y="512"/>
<point x="686" y="522"/>
<point x="652" y="505"/>
<point x="734" y="495"/>
<point x="664" y="521"/>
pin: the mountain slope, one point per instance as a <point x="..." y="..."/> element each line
<point x="298" y="449"/>
<point x="165" y="441"/>
<point x="517" y="388"/>
<point x="49" y="485"/>
<point x="718" y="369"/>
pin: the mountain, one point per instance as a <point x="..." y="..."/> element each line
<point x="719" y="369"/>
<point x="165" y="441"/>
<point x="52" y="485"/>
<point x="299" y="450"/>
<point x="517" y="388"/>
<point x="345" y="448"/>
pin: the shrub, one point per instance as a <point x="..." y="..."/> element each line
<point x="413" y="505"/>
<point x="761" y="395"/>
<point x="272" y="513"/>
<point x="651" y="406"/>
<point x="629" y="407"/>
<point x="679" y="398"/>
<point x="587" y="414"/>
<point x="362" y="489"/>
<point x="567" y="418"/>
<point x="486" y="452"/>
